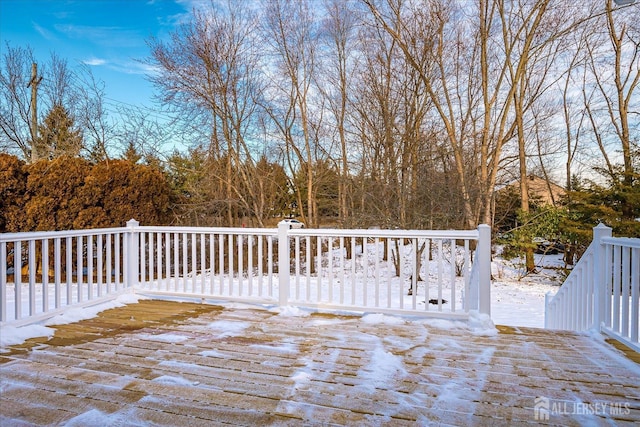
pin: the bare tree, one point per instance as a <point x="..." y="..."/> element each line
<point x="99" y="129"/>
<point x="208" y="72"/>
<point x="291" y="31"/>
<point x="15" y="101"/>
<point x="444" y="49"/>
<point x="610" y="97"/>
<point x="56" y="85"/>
<point x="340" y="27"/>
<point x="393" y="111"/>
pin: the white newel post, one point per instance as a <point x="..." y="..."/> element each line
<point x="131" y="256"/>
<point x="600" y="299"/>
<point x="484" y="269"/>
<point x="283" y="263"/>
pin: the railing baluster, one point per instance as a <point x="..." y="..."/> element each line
<point x="176" y="261"/>
<point x="400" y="261"/>
<point x="79" y="279"/>
<point x="260" y="264"/>
<point x="32" y="276"/>
<point x="609" y="286"/>
<point x="159" y="257"/>
<point x="250" y="270"/>
<point x="185" y="262"/>
<point x="221" y="262"/>
<point x="108" y="262"/>
<point x="390" y="268"/>
<point x="17" y="277"/>
<point x="467" y="273"/>
<point x="625" y="283"/>
<point x="427" y="267"/>
<point x="57" y="267"/>
<point x="167" y="261"/>
<point x="329" y="268"/>
<point x="240" y="248"/>
<point x="3" y="282"/>
<point x="203" y="262"/>
<point x="100" y="265"/>
<point x="69" y="268"/>
<point x="147" y="280"/>
<point x="90" y="266"/>
<point x="270" y="261"/>
<point x="231" y="264"/>
<point x="194" y="260"/>
<point x="343" y="265"/>
<point x="212" y="263"/>
<point x="119" y="253"/>
<point x="319" y="268"/>
<point x="617" y="283"/>
<point x="454" y="267"/>
<point x="415" y="273"/>
<point x="440" y="273"/>
<point x="376" y="242"/>
<point x="142" y="258"/>
<point x="296" y="266"/>
<point x="45" y="275"/>
<point x="635" y="294"/>
<point x="365" y="272"/>
<point x="308" y="266"/>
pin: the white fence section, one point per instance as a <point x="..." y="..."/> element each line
<point x="435" y="273"/>
<point x="602" y="291"/>
<point x="43" y="273"/>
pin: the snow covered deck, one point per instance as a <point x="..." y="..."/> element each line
<point x="169" y="363"/>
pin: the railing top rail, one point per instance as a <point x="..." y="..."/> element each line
<point x="39" y="235"/>
<point x="398" y="233"/>
<point x="322" y="232"/>
<point x="622" y="241"/>
<point x="210" y="230"/>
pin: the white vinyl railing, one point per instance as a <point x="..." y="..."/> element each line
<point x="602" y="291"/>
<point x="42" y="273"/>
<point x="395" y="271"/>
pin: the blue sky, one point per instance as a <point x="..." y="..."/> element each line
<point x="108" y="35"/>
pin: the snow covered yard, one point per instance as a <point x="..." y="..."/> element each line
<point x="168" y="363"/>
<point x="518" y="300"/>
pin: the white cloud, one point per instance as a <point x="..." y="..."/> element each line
<point x="94" y="61"/>
<point x="112" y="36"/>
<point x="43" y="31"/>
<point x="133" y="67"/>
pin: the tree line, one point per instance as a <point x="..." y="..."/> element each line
<point x="390" y="113"/>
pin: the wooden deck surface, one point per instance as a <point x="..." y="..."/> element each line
<point x="184" y="364"/>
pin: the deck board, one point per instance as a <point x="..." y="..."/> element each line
<point x="170" y="363"/>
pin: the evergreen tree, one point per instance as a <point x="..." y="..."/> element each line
<point x="614" y="204"/>
<point x="131" y="154"/>
<point x="58" y="135"/>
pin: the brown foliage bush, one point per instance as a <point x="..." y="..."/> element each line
<point x="71" y="193"/>
<point x="13" y="181"/>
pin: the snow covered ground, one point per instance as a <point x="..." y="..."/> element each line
<point x="517" y="300"/>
